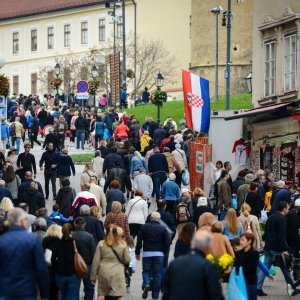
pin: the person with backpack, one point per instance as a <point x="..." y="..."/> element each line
<point x="170" y="192"/>
<point x="16" y="133"/>
<point x="34" y="130"/>
<point x="250" y="224"/>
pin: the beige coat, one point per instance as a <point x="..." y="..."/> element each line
<point x="180" y="157"/>
<point x="172" y="163"/>
<point x="86" y="176"/>
<point x="97" y="164"/>
<point x="258" y="242"/>
<point x="109" y="271"/>
<point x="18" y="129"/>
<point x="100" y="196"/>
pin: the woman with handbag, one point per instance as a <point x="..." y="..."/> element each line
<point x="109" y="265"/>
<point x="63" y="264"/>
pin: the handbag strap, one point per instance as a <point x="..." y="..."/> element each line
<point x="133" y="206"/>
<point x="116" y="255"/>
<point x="75" y="248"/>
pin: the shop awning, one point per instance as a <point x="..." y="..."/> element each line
<point x="262" y="110"/>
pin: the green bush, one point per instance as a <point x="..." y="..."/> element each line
<point x="82" y="158"/>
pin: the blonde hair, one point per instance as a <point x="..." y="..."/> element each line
<point x="54" y="230"/>
<point x="6" y="204"/>
<point x="95" y="211"/>
<point x="116" y="207"/>
<point x="114" y="236"/>
<point x="198" y="192"/>
<point x="103" y="143"/>
<point x="246" y="209"/>
<point x="88" y="167"/>
<point x="232" y="221"/>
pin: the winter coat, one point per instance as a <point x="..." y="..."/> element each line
<point x="34" y="199"/>
<point x="65" y="165"/>
<point x="80" y="123"/>
<point x="281" y="195"/>
<point x="158" y="163"/>
<point x="109" y="119"/>
<point x="120" y="175"/>
<point x="99" y="127"/>
<point x="159" y="135"/>
<point x="120" y="219"/>
<point x="109" y="270"/>
<point x="121" y="131"/>
<point x="113" y="195"/>
<point x="170" y="191"/>
<point x="4" y="130"/>
<point x="252" y="218"/>
<point x="145" y="139"/>
<point x="293" y="225"/>
<point x="137" y="210"/>
<point x="109" y="161"/>
<point x="180" y="157"/>
<point x="100" y="196"/>
<point x="97" y="165"/>
<point x="255" y="203"/>
<point x="86" y="176"/>
<point x="64" y="200"/>
<point x="172" y="163"/>
<point x="224" y="193"/>
<point x="93" y="227"/>
<point x="23" y="265"/>
<point x="242" y="192"/>
<point x="237" y="183"/>
<point x="137" y="162"/>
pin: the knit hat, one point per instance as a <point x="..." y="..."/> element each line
<point x="249" y="178"/>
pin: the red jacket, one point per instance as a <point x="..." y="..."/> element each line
<point x="121" y="131"/>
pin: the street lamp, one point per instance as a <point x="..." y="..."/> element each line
<point x="249" y="82"/>
<point x="159" y="82"/>
<point x="216" y="11"/>
<point x="57" y="69"/>
<point x="94" y="72"/>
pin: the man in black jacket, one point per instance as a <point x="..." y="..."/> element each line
<point x="155" y="241"/>
<point x="92" y="225"/>
<point x="26" y="162"/>
<point x="51" y="138"/>
<point x="275" y="245"/>
<point x="49" y="158"/>
<point x="110" y="159"/>
<point x="191" y="276"/>
<point x="34" y="130"/>
<point x="159" y="135"/>
<point x="158" y="169"/>
<point x="33" y="198"/>
<point x="81" y="126"/>
<point x="86" y="246"/>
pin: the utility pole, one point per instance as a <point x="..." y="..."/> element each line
<point x="135" y="34"/>
<point x="228" y="55"/>
<point x="124" y="43"/>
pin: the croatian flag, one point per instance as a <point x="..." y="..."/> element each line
<point x="196" y="102"/>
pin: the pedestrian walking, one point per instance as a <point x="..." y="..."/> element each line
<point x="26" y="162"/>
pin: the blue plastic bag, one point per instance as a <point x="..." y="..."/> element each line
<point x="237" y="286"/>
<point x="185" y="177"/>
<point x="106" y="134"/>
<point x="234" y="202"/>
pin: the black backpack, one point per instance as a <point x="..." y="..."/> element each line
<point x="12" y="129"/>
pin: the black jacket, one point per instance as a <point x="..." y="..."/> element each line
<point x="153" y="237"/>
<point x="27" y="161"/>
<point x="158" y="163"/>
<point x="255" y="203"/>
<point x="293" y="229"/>
<point x="65" y="165"/>
<point x="64" y="200"/>
<point x="275" y="233"/>
<point x="49" y="158"/>
<point x="80" y="123"/>
<point x="159" y="135"/>
<point x="237" y="183"/>
<point x="192" y="277"/>
<point x="120" y="175"/>
<point x="249" y="262"/>
<point x="51" y="138"/>
<point x="109" y="161"/>
<point x="94" y="228"/>
<point x="85" y="244"/>
<point x="113" y="195"/>
<point x="24" y="186"/>
<point x="34" y="199"/>
<point x="109" y="119"/>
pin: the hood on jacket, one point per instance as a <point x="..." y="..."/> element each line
<point x="31" y="192"/>
<point x="66" y="189"/>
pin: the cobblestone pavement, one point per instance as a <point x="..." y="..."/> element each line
<point x="275" y="290"/>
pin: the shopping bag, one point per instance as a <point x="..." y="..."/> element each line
<point x="237" y="286"/>
<point x="186" y="177"/>
<point x="106" y="134"/>
<point x="263" y="216"/>
<point x="272" y="270"/>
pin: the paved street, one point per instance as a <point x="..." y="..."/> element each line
<point x="276" y="289"/>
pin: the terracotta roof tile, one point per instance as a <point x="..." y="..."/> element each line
<point x="18" y="8"/>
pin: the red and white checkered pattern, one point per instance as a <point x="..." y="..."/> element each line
<point x="195" y="100"/>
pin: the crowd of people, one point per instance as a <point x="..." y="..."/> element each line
<point x="134" y="202"/>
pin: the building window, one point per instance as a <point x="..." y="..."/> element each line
<point x="270" y="69"/>
<point x="33" y="84"/>
<point x="67" y="77"/>
<point x="84" y="32"/>
<point x="101" y="30"/>
<point x="120" y="28"/>
<point x="16" y="84"/>
<point x="33" y="40"/>
<point x="50" y="76"/>
<point x="67" y="35"/>
<point x="290" y="62"/>
<point x="50" y="37"/>
<point x="15" y="42"/>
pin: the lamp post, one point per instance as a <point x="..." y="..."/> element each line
<point x="159" y="82"/>
<point x="94" y="72"/>
<point x="249" y="82"/>
<point x="216" y="11"/>
<point x="57" y="73"/>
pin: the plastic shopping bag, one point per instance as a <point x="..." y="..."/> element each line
<point x="106" y="134"/>
<point x="273" y="269"/>
<point x="263" y="216"/>
<point x="186" y="177"/>
<point x="237" y="286"/>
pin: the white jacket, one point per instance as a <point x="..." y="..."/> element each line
<point x="97" y="164"/>
<point x="137" y="210"/>
<point x="180" y="158"/>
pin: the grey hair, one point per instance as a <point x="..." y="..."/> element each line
<point x="2" y="182"/>
<point x="85" y="210"/>
<point x="201" y="243"/>
<point x="15" y="216"/>
<point x="155" y="216"/>
<point x="172" y="177"/>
